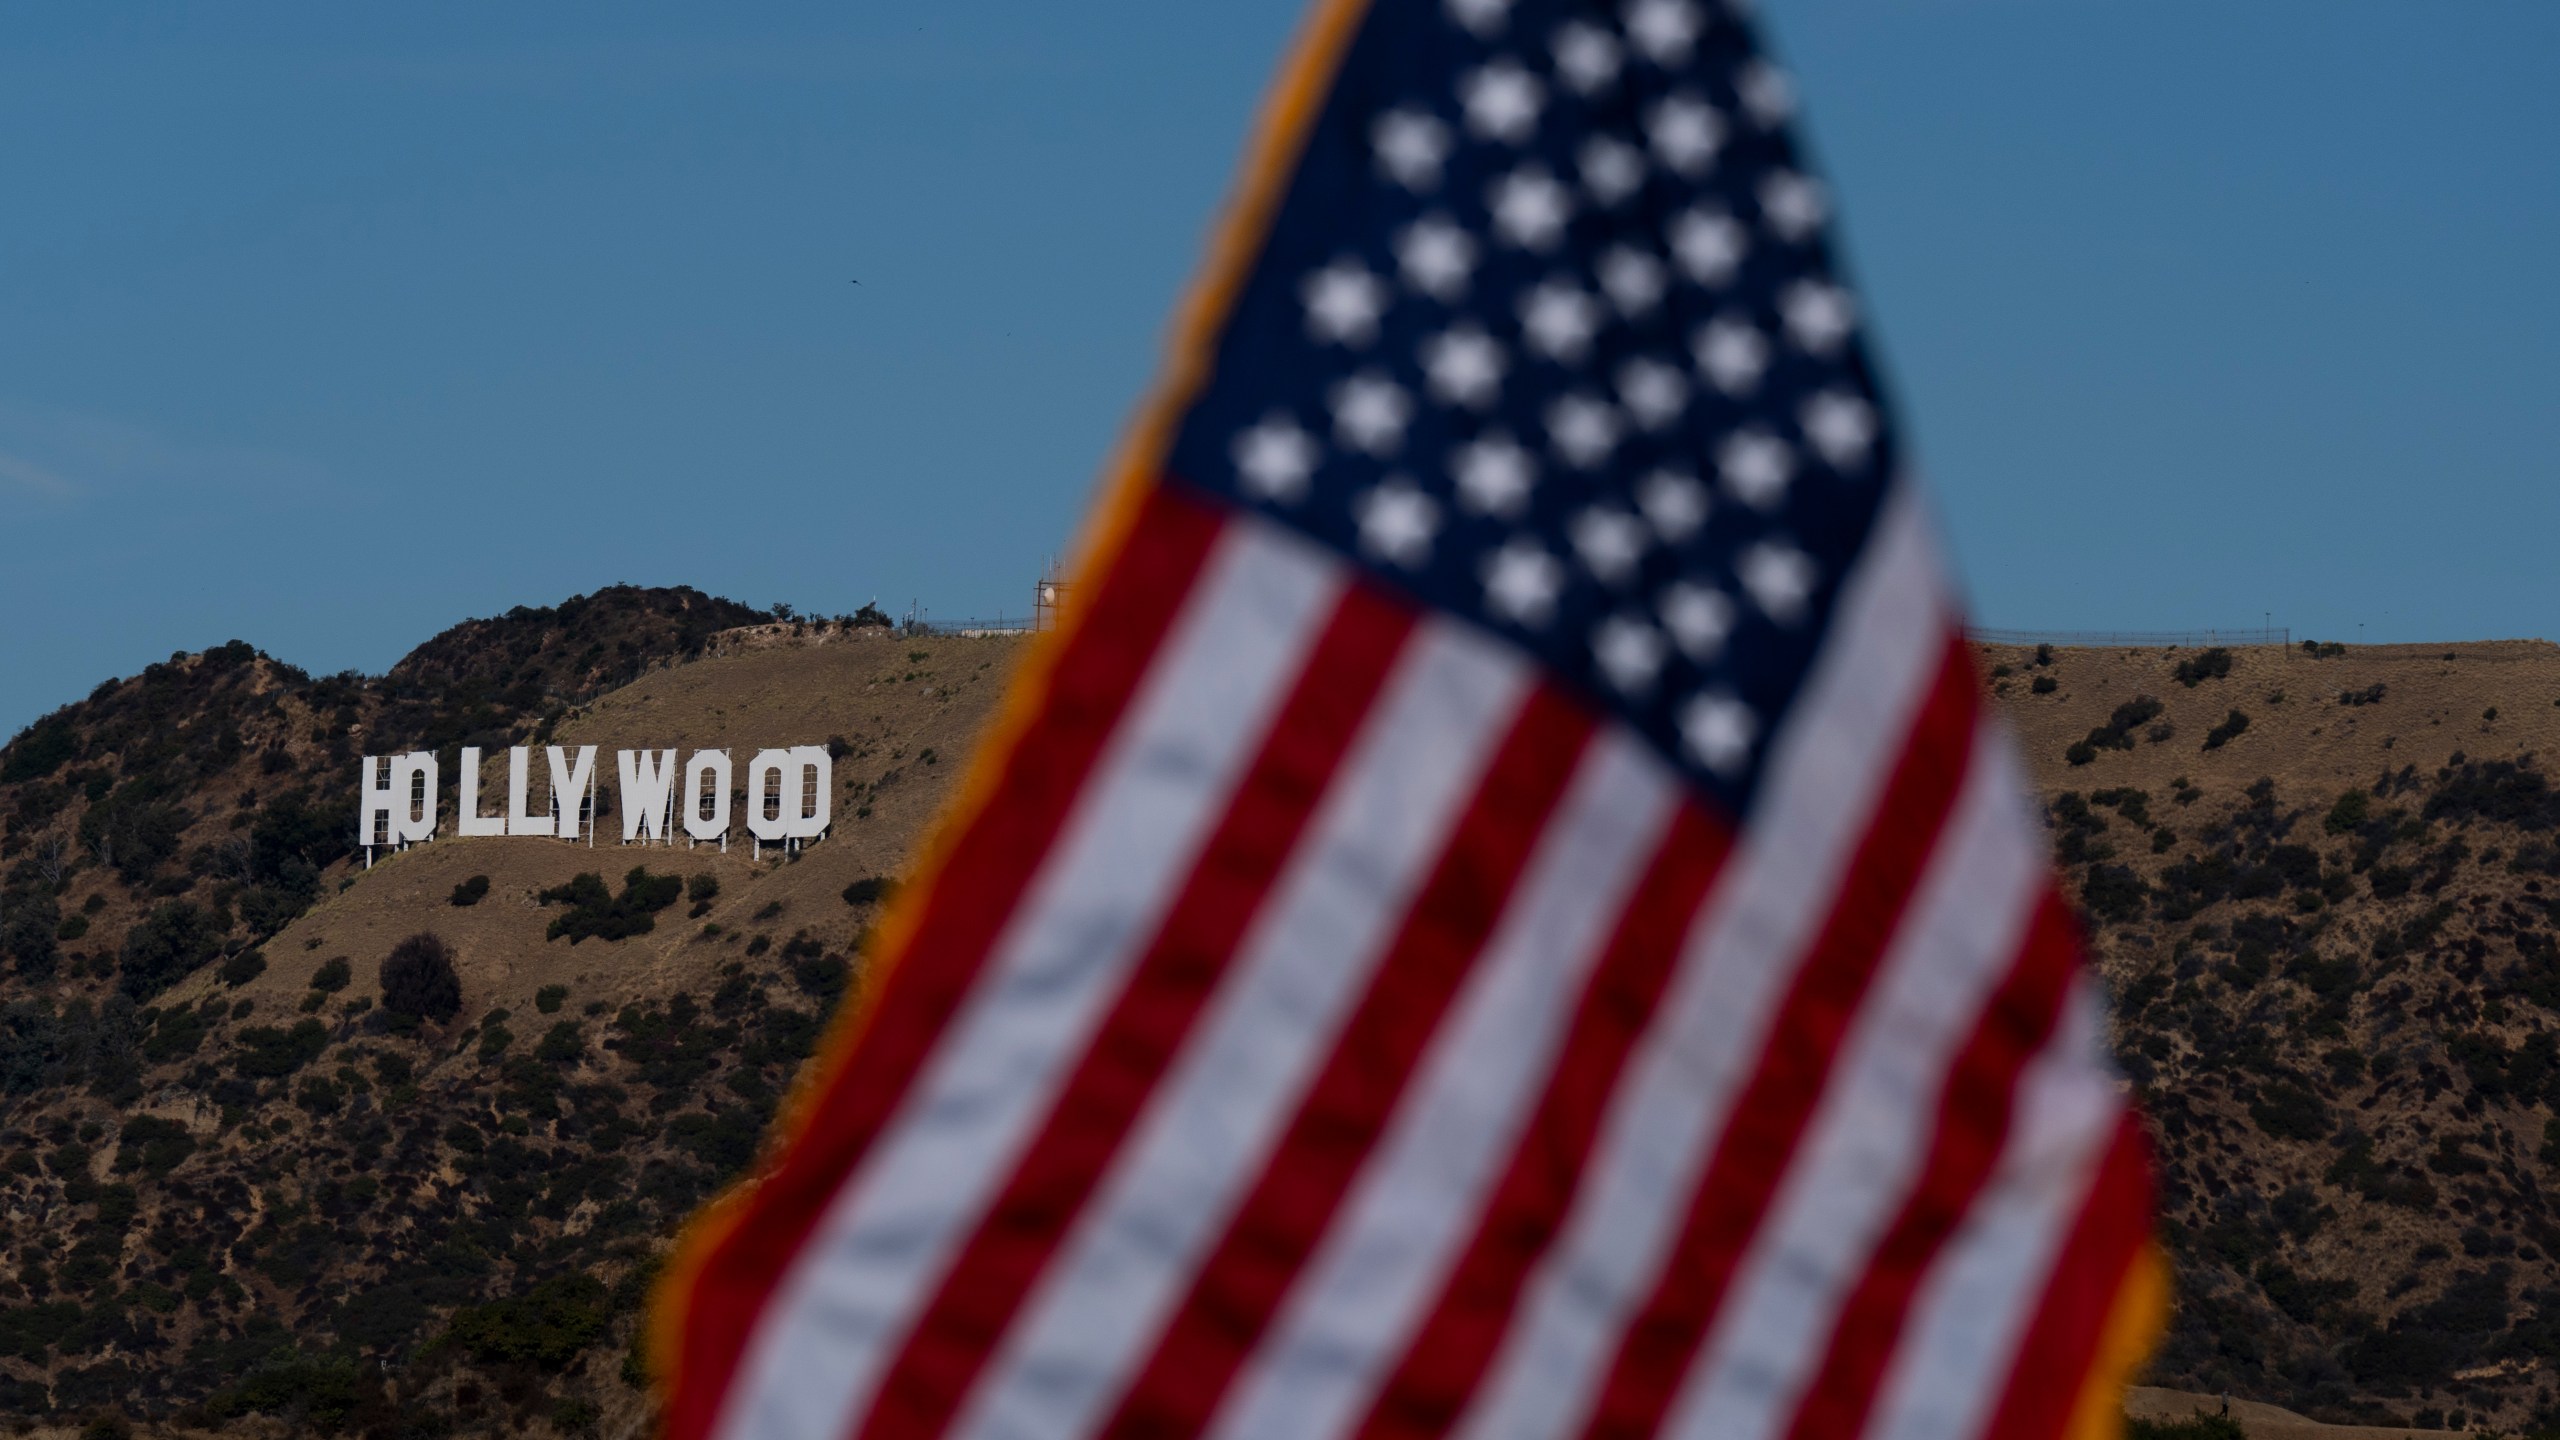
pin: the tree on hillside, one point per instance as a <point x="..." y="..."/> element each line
<point x="171" y="941"/>
<point x="419" y="981"/>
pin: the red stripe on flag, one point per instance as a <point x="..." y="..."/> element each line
<point x="1975" y="1112"/>
<point x="1345" y="670"/>
<point x="1768" y="1117"/>
<point x="973" y="895"/>
<point x="2060" y="1346"/>
<point x="1449" y="1351"/>
<point x="1242" y="1281"/>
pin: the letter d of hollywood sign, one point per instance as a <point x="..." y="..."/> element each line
<point x="790" y="797"/>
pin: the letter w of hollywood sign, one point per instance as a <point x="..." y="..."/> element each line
<point x="790" y="792"/>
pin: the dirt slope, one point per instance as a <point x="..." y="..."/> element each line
<point x="2335" y="980"/>
<point x="258" y="1200"/>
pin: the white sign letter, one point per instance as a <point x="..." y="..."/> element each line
<point x="375" y="799"/>
<point x="469" y="821"/>
<point x="413" y="807"/>
<point x="700" y="826"/>
<point x="811" y="807"/>
<point x="569" y="787"/>
<point x="520" y="819"/>
<point x="648" y="792"/>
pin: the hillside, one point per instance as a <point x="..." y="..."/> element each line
<point x="2329" y="930"/>
<point x="237" y="1187"/>
<point x="245" y="1186"/>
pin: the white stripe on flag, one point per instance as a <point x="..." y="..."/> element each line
<point x="1866" y="1141"/>
<point x="1303" y="963"/>
<point x="1153" y="798"/>
<point x="1825" y="773"/>
<point x="1972" y="1310"/>
<point x="1417" y="1201"/>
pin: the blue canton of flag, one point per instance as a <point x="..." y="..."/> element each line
<point x="1547" y="331"/>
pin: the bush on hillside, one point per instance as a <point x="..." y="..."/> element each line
<point x="546" y="1326"/>
<point x="869" y="890"/>
<point x="2222" y="734"/>
<point x="598" y="912"/>
<point x="419" y="981"/>
<point x="242" y="968"/>
<point x="267" y="1053"/>
<point x="469" y="892"/>
<point x="2213" y="664"/>
<point x="2197" y="1427"/>
<point x="170" y="942"/>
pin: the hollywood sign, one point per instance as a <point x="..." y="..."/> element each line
<point x="789" y="794"/>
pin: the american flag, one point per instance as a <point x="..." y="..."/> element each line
<point x="1503" y="913"/>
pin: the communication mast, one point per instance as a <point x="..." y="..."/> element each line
<point x="1048" y="599"/>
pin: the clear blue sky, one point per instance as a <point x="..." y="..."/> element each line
<point x="326" y="326"/>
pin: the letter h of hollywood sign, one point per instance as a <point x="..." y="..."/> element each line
<point x="790" y="797"/>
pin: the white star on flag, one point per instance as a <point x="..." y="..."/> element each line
<point x="1275" y="458"/>
<point x="1436" y="257"/>
<point x="1629" y="652"/>
<point x="1530" y="208"/>
<point x="1410" y="147"/>
<point x="1521" y="582"/>
<point x="1665" y="30"/>
<point x="1397" y="522"/>
<point x="1699" y="619"/>
<point x="1755" y="466"/>
<point x="1463" y="367"/>
<point x="1612" y="170"/>
<point x="1818" y="316"/>
<point x="1369" y="413"/>
<point x="1719" y="731"/>
<point x="1587" y="57"/>
<point x="1780" y="579"/>
<point x="1767" y="93"/>
<point x="1494" y="475"/>
<point x="1686" y="132"/>
<point x="1560" y="320"/>
<point x="1502" y="102"/>
<point x="1794" y="206"/>
<point x="1653" y="392"/>
<point x="1343" y="303"/>
<point x="1709" y="245"/>
<point x="1733" y="353"/>
<point x="1583" y="429"/>
<point x="1675" y="505"/>
<point x="1632" y="278"/>
<point x="1841" y="426"/>
<point x="1482" y="18"/>
<point x="1610" y="542"/>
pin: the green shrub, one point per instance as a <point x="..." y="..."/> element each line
<point x="267" y="1053"/>
<point x="172" y="941"/>
<point x="546" y="1326"/>
<point x="598" y="913"/>
<point x="470" y="892"/>
<point x="548" y="998"/>
<point x="2224" y="733"/>
<point x="870" y="890"/>
<point x="153" y="1145"/>
<point x="2213" y="664"/>
<point x="332" y="976"/>
<point x="2349" y="813"/>
<point x="419" y="981"/>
